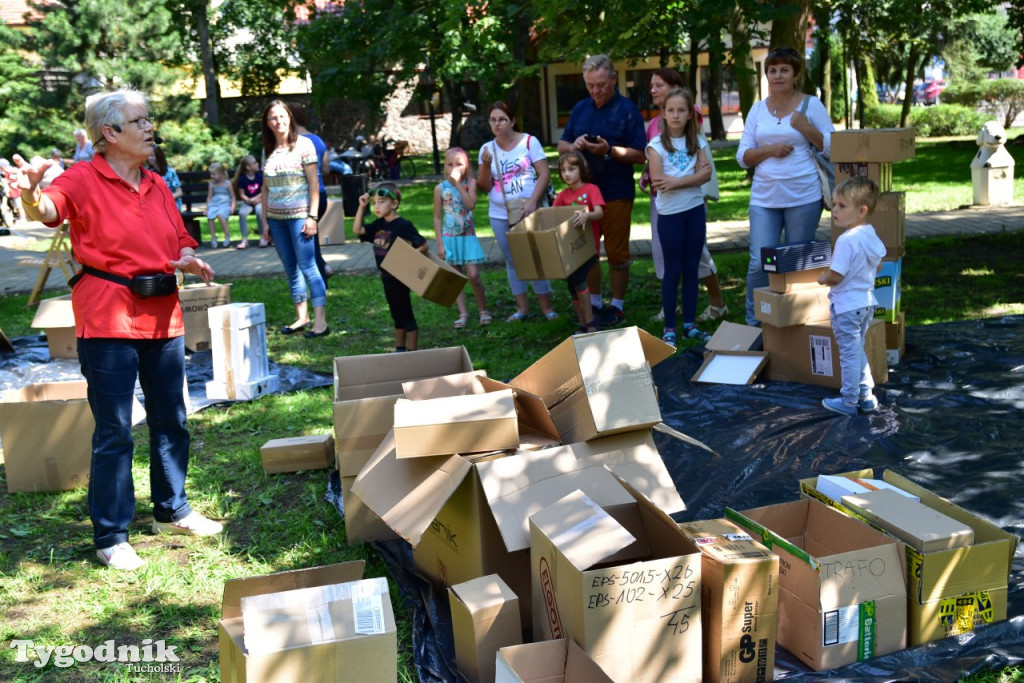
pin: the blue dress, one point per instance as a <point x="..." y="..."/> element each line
<point x="220" y="202"/>
<point x="458" y="233"/>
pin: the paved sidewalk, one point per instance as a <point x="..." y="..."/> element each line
<point x="19" y="269"/>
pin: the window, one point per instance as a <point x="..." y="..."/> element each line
<point x="569" y="89"/>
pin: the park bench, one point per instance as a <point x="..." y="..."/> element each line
<point x="194" y="188"/>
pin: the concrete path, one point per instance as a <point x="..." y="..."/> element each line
<point x="19" y="269"/>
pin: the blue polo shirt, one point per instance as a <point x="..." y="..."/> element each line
<point x="620" y="123"/>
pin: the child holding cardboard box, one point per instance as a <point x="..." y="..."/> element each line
<point x="851" y="276"/>
<point x="573" y="169"/>
<point x="382" y="233"/>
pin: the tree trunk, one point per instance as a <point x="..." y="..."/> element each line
<point x="789" y="29"/>
<point x="858" y="72"/>
<point x="694" y="69"/>
<point x="912" y="59"/>
<point x="743" y="64"/>
<point x="209" y="68"/>
<point x="823" y="45"/>
<point x="715" y="93"/>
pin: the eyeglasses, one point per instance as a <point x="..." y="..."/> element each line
<point x="495" y="122"/>
<point x="384" y="192"/>
<point x="141" y="122"/>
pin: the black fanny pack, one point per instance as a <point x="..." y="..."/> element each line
<point x="142" y="286"/>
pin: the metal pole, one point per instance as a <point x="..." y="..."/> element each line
<point x="433" y="135"/>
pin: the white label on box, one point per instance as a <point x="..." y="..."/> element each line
<point x="821" y="356"/>
<point x="841" y="625"/>
<point x="368" y="611"/>
<point x="737" y="537"/>
<point x="766" y="308"/>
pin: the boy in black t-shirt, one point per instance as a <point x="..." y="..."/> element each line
<point x="382" y="233"/>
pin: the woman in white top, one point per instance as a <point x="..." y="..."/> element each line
<point x="514" y="166"/>
<point x="776" y="142"/>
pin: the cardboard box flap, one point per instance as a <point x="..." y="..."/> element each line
<point x="583" y="532"/>
<point x="765" y="534"/>
<point x="735" y="337"/>
<point x="359" y="428"/>
<point x="236" y="589"/>
<point x="920" y="526"/>
<point x="532" y="412"/>
<point x="382" y="374"/>
<point x="457" y="384"/>
<point x="407" y="493"/>
<point x="655" y="350"/>
<point x="518" y="486"/>
<point x="483" y="592"/>
<point x="548" y="661"/>
<point x="55" y="312"/>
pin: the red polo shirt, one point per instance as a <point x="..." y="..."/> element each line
<point x="116" y="229"/>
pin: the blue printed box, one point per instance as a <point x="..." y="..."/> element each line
<point x="888" y="290"/>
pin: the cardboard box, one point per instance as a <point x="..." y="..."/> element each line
<point x="598" y="384"/>
<point x="985" y="565"/>
<point x="547" y="246"/>
<point x="57" y="318"/>
<point x="425" y="274"/>
<point x="547" y="661"/>
<point x="468" y="519"/>
<point x="836" y="486"/>
<point x="739" y="602"/>
<point x="298" y="453"/>
<point x="955" y="616"/>
<point x="880" y="172"/>
<point x="195" y="300"/>
<point x="798" y="279"/>
<point x="731" y="367"/>
<point x="917" y="525"/>
<point x="872" y="144"/>
<point x="889" y="290"/>
<point x="365" y="391"/>
<point x="808" y="354"/>
<point x="241" y="369"/>
<point x="623" y="581"/>
<point x="735" y="337"/>
<point x="330" y="228"/>
<point x="456" y="424"/>
<point x="843" y="592"/>
<point x="485" y="618"/>
<point x="46" y="432"/>
<point x="889" y="221"/>
<point x="896" y="338"/>
<point x="350" y="657"/>
<point x="799" y="306"/>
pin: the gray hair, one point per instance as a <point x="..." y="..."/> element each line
<point x="107" y="109"/>
<point x="595" y="62"/>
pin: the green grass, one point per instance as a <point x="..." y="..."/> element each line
<point x="53" y="591"/>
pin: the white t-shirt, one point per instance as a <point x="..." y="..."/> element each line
<point x="856" y="256"/>
<point x="515" y="169"/>
<point x="792" y="180"/>
<point x="676" y="165"/>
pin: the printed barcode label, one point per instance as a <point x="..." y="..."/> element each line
<point x="369" y="614"/>
<point x="830" y="631"/>
<point x="821" y="356"/>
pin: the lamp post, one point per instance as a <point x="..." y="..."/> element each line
<point x="428" y="80"/>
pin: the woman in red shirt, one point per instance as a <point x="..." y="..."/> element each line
<point x="129" y="237"/>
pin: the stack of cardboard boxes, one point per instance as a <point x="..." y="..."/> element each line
<point x="871" y="153"/>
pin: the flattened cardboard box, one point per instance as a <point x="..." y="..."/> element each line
<point x="808" y="354"/>
<point x="485" y="618"/>
<point x="735" y="337"/>
<point x="366" y="658"/>
<point x="940" y="575"/>
<point x="872" y="145"/>
<point x="547" y="246"/>
<point x="739" y="602"/>
<point x="623" y="582"/>
<point x="456" y="424"/>
<point x="843" y="593"/>
<point x="598" y="384"/>
<point x="195" y="300"/>
<point x="730" y="367"/>
<point x="548" y="661"/>
<point x="425" y="274"/>
<point x="799" y="306"/>
<point x="296" y="453"/>
<point x="46" y="433"/>
<point x="468" y="519"/>
<point x="57" y="318"/>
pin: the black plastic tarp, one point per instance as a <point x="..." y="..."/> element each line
<point x="950" y="418"/>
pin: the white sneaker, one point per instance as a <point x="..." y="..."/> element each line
<point x="192" y="525"/>
<point x="713" y="313"/>
<point x="121" y="556"/>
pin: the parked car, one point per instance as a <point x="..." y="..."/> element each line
<point x="927" y="93"/>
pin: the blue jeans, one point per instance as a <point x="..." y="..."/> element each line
<point x="682" y="238"/>
<point x="500" y="228"/>
<point x="766" y="226"/>
<point x="110" y="367"/>
<point x="850" y="330"/>
<point x="298" y="256"/>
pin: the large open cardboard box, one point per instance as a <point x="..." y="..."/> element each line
<point x="739" y="602"/>
<point x="56" y="317"/>
<point x="809" y="354"/>
<point x="46" y="434"/>
<point x="796" y="307"/>
<point x="485" y="618"/>
<point x="843" y="592"/>
<point x="950" y="591"/>
<point x="350" y="656"/>
<point x="467" y="519"/>
<point x="425" y="274"/>
<point x="365" y="391"/>
<point x="195" y="300"/>
<point x="548" y="661"/>
<point x="622" y="581"/>
<point x="547" y="246"/>
<point x="598" y="384"/>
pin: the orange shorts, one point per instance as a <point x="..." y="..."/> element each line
<point x="615" y="227"/>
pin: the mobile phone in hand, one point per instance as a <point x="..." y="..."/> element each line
<point x="590" y="138"/>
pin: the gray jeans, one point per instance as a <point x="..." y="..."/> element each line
<point x="850" y="329"/>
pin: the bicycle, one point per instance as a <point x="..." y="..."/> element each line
<point x="391" y="163"/>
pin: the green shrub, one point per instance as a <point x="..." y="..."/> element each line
<point x="939" y="120"/>
<point x="1004" y="96"/>
<point x="192" y="145"/>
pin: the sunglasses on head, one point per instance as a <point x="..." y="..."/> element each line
<point x="384" y="192"/>
<point x="783" y="51"/>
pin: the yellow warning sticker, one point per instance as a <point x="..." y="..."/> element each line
<point x="962" y="614"/>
